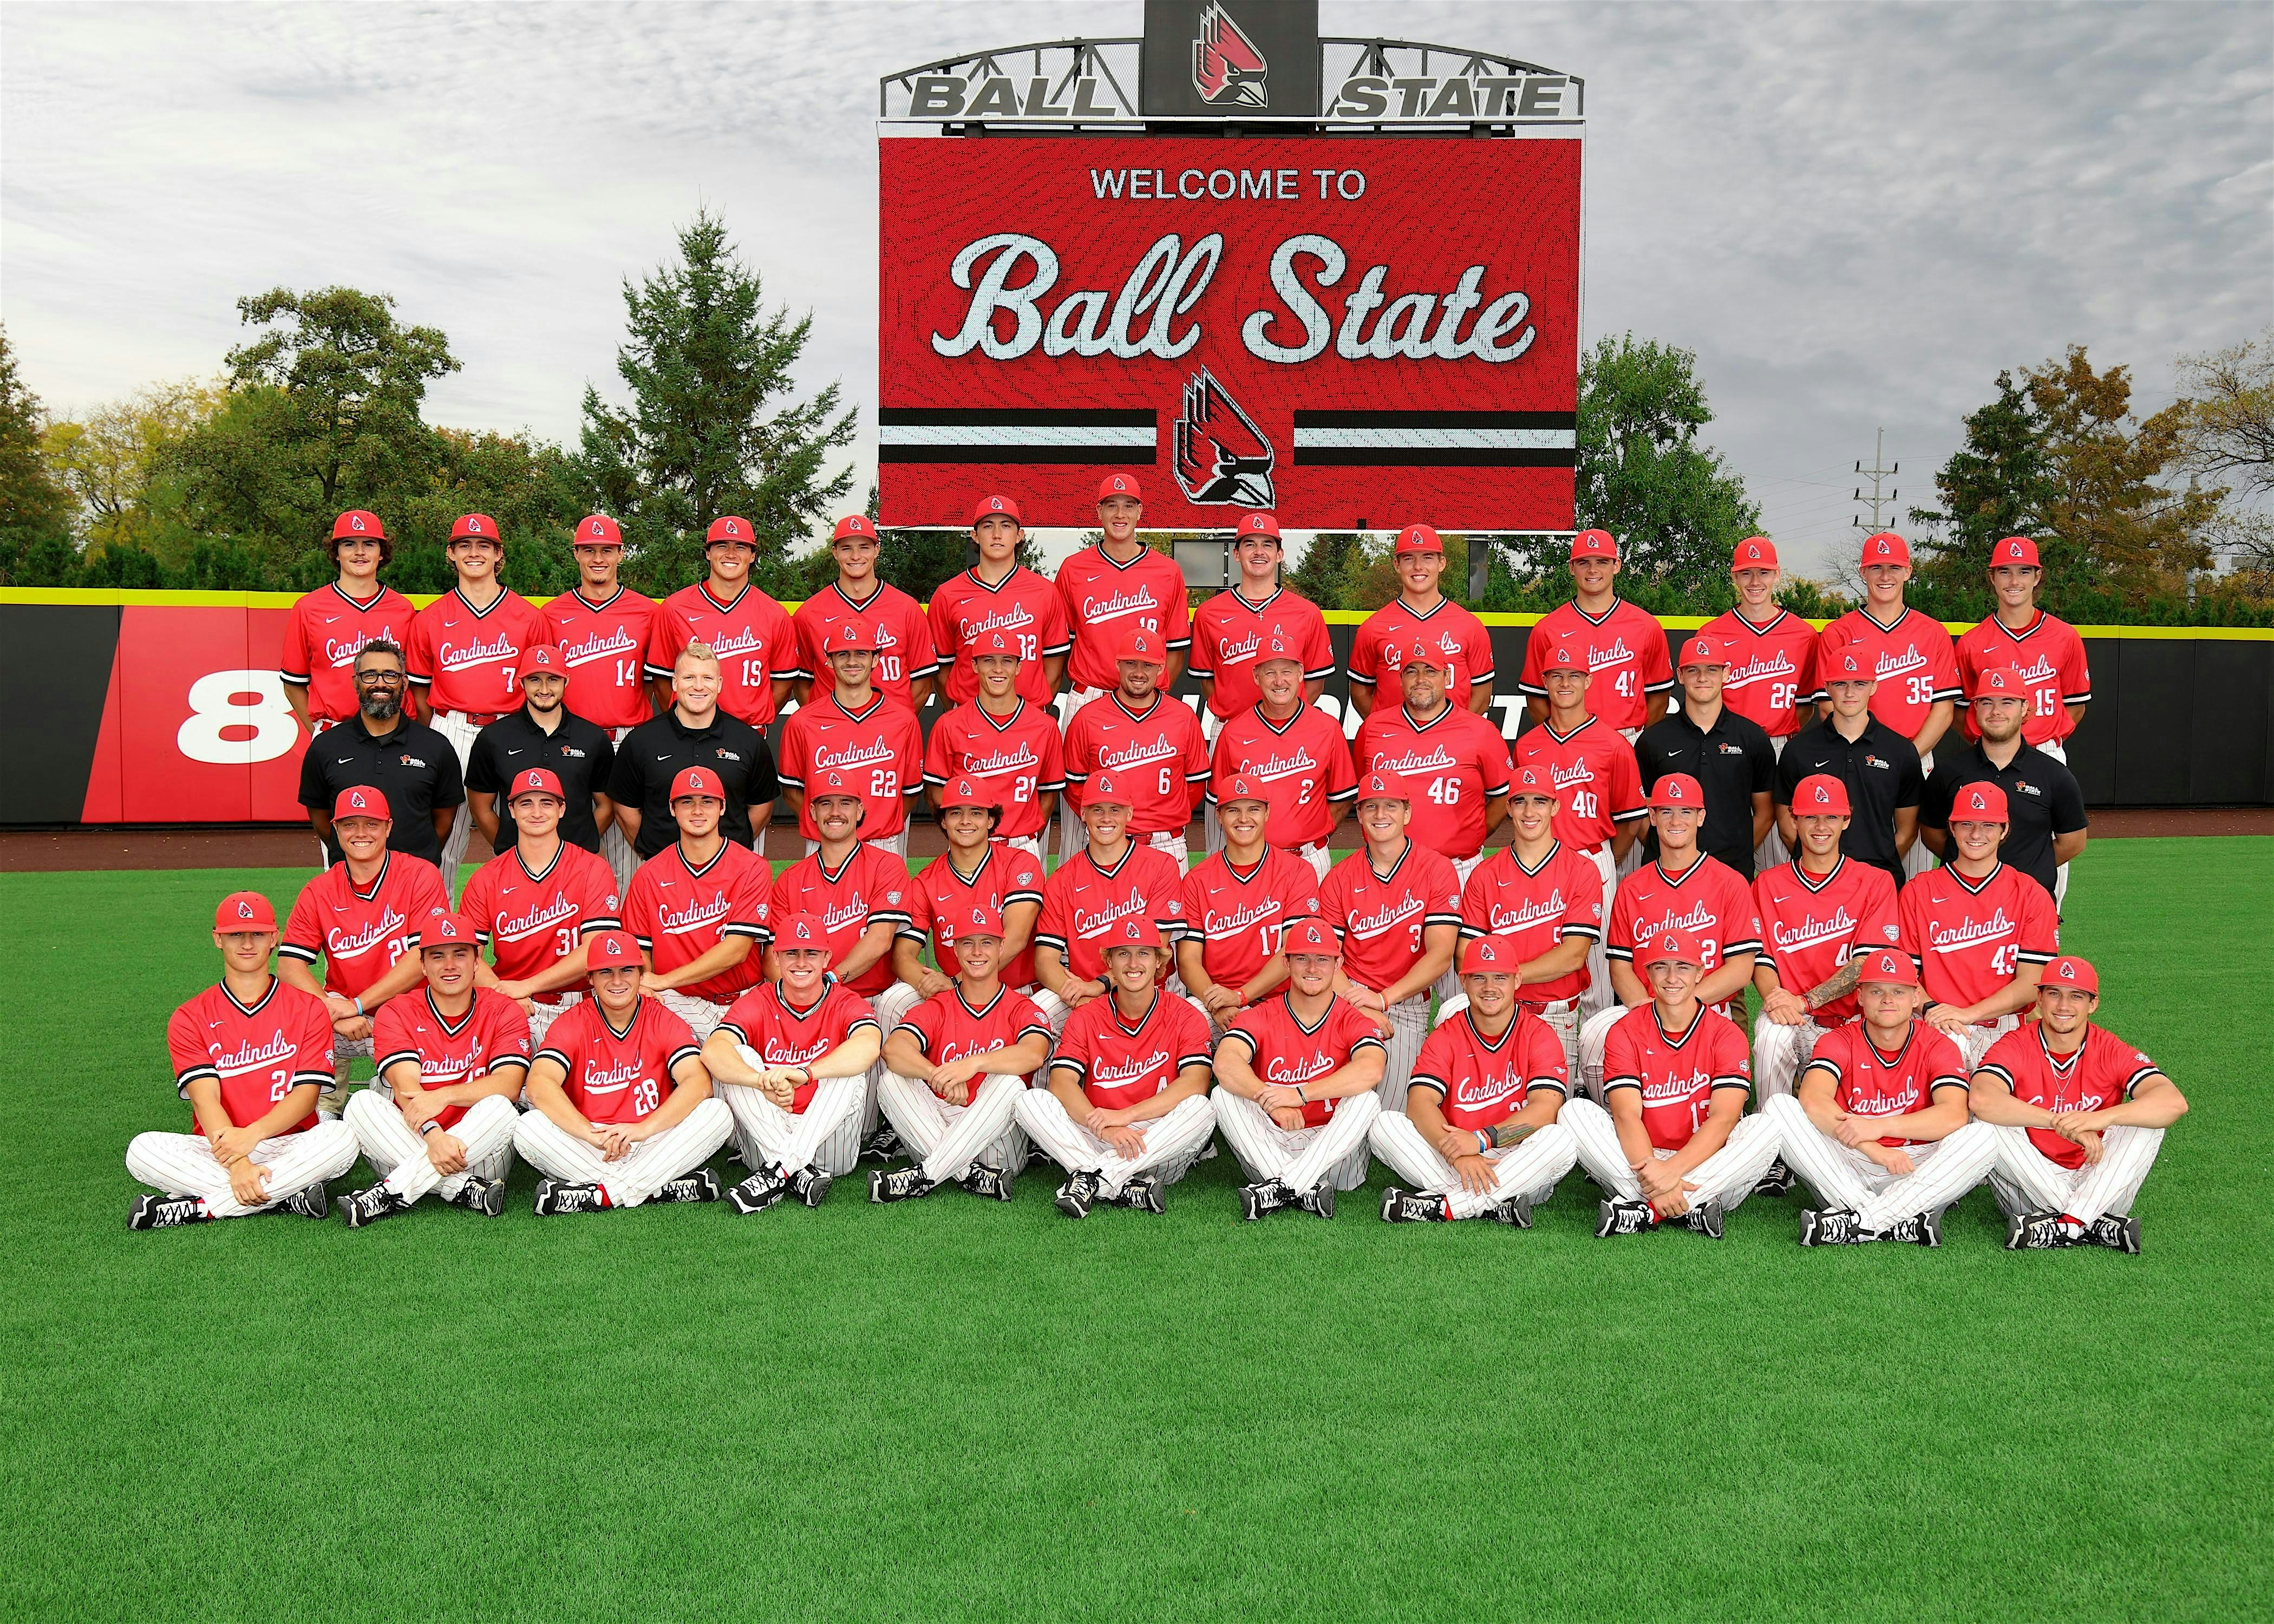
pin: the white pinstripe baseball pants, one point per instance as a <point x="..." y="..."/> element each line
<point x="1772" y="849"/>
<point x="1409" y="1025"/>
<point x="398" y="1154"/>
<point x="1172" y="1143"/>
<point x="185" y="1164"/>
<point x="949" y="1140"/>
<point x="1530" y="1169"/>
<point x="701" y="1015"/>
<point x="1598" y="995"/>
<point x="892" y="1006"/>
<point x="454" y="725"/>
<point x="827" y="1134"/>
<point x="1300" y="1158"/>
<point x="1974" y="1042"/>
<point x="1942" y="1171"/>
<point x="542" y="1015"/>
<point x="1448" y="985"/>
<point x="646" y="1168"/>
<point x="1726" y="1175"/>
<point x="1211" y="831"/>
<point x="1781" y="1054"/>
<point x="2026" y="1180"/>
<point x="616" y="851"/>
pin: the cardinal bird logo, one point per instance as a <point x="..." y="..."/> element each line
<point x="1226" y="66"/>
<point x="1221" y="457"/>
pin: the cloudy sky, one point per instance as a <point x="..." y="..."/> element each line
<point x="1856" y="214"/>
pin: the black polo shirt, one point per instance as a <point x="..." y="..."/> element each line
<point x="1882" y="771"/>
<point x="1733" y="761"/>
<point x="2041" y="800"/>
<point x="582" y="753"/>
<point x="662" y="748"/>
<point x="414" y="767"/>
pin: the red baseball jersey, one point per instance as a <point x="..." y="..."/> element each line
<point x="1811" y="926"/>
<point x="1378" y="652"/>
<point x="618" y="1076"/>
<point x="324" y="633"/>
<point x="1282" y="1049"/>
<point x="2103" y="1072"/>
<point x="1969" y="937"/>
<point x="361" y="931"/>
<point x="941" y="898"/>
<point x="870" y="887"/>
<point x="1228" y="632"/>
<point x="749" y="633"/>
<point x="679" y="913"/>
<point x="1015" y="758"/>
<point x="1105" y="597"/>
<point x="1239" y="918"/>
<point x="492" y="1035"/>
<point x="1452" y="763"/>
<point x="1771" y="667"/>
<point x="532" y="920"/>
<point x="1595" y="771"/>
<point x="1707" y="901"/>
<point x="903" y="650"/>
<point x="469" y="659"/>
<point x="1156" y="755"/>
<point x="1871" y="1082"/>
<point x="1679" y="1074"/>
<point x="945" y="1027"/>
<point x="1537" y="908"/>
<point x="258" y="1053"/>
<point x="1379" y="917"/>
<point x="1082" y="902"/>
<point x="1479" y="1081"/>
<point x="604" y="645"/>
<point x="785" y="1035"/>
<point x="1303" y="763"/>
<point x="1022" y="605"/>
<point x="1120" y="1063"/>
<point x="1625" y="652"/>
<point x="878" y="750"/>
<point x="2049" y="655"/>
<point x="1918" y="666"/>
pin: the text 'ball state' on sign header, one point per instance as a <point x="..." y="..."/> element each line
<point x="1339" y="331"/>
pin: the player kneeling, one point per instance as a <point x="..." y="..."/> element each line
<point x="1674" y="1142"/>
<point x="452" y="1057"/>
<point x="624" y="1112"/>
<point x="1879" y="1129"/>
<point x="2080" y="1115"/>
<point x="1126" y="1111"/>
<point x="955" y="1069"/>
<point x="1296" y="1081"/>
<point x="791" y="1060"/>
<point x="1479" y="1136"/>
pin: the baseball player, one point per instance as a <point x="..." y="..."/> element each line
<point x="533" y="905"/>
<point x="1773" y="673"/>
<point x="1479" y="1136"/>
<point x="1111" y="588"/>
<point x="1454" y="761"/>
<point x="1981" y="932"/>
<point x="1086" y="901"/>
<point x="2049" y="827"/>
<point x="1879" y="1129"/>
<point x="700" y="910"/>
<point x="1670" y="1140"/>
<point x="544" y="733"/>
<point x="251" y="1055"/>
<point x="1238" y="905"/>
<point x="792" y="1060"/>
<point x="1295" y="750"/>
<point x="869" y="738"/>
<point x="361" y="916"/>
<point x="622" y="1108"/>
<point x="694" y="731"/>
<point x="1728" y="754"/>
<point x="745" y="629"/>
<point x="1877" y="763"/>
<point x="1151" y="745"/>
<point x="451" y="1059"/>
<point x="330" y="626"/>
<point x="601" y="631"/>
<point x="2079" y="1114"/>
<point x="2047" y="652"/>
<point x="955" y="1069"/>
<point x="907" y="668"/>
<point x="1397" y="907"/>
<point x="979" y="873"/>
<point x="1126" y="1111"/>
<point x="381" y="748"/>
<point x="1295" y="1082"/>
<point x="464" y="655"/>
<point x="1421" y="614"/>
<point x="1624" y="646"/>
<point x="999" y="594"/>
<point x="1000" y="741"/>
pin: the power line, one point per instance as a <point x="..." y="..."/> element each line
<point x="1876" y="473"/>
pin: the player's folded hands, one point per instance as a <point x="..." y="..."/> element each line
<point x="447" y="1153"/>
<point x="1477" y="1174"/>
<point x="248" y="1181"/>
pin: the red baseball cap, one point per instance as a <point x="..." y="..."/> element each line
<point x="1564" y="660"/>
<point x="801" y="933"/>
<point x="696" y="781"/>
<point x="543" y="657"/>
<point x="1257" y="524"/>
<point x="852" y="524"/>
<point x="2070" y="970"/>
<point x="1120" y="484"/>
<point x="359" y="800"/>
<point x="1668" y="947"/>
<point x="850" y="636"/>
<point x="1755" y="552"/>
<point x="964" y="793"/>
<point x="1701" y="650"/>
<point x="1418" y="538"/>
<point x="1278" y="648"/>
<point x="358" y="521"/>
<point x="1137" y="643"/>
<point x="243" y="911"/>
<point x="1594" y="543"/>
<point x="1384" y="786"/>
<point x="1848" y="666"/>
<point x="1491" y="955"/>
<point x="1140" y="932"/>
<point x="539" y="781"/>
<point x="596" y="530"/>
<point x="477" y="525"/>
<point x="1311" y="935"/>
<point x="2000" y="682"/>
<point x="1678" y="792"/>
<point x="989" y="506"/>
<point x="1422" y="653"/>
<point x="828" y="784"/>
<point x="1979" y="803"/>
<point x="1820" y="794"/>
<point x="1886" y="547"/>
<point x="612" y="950"/>
<point x="1890" y="968"/>
<point x="1104" y="791"/>
<point x="998" y="643"/>
<point x="1536" y="781"/>
<point x="981" y="921"/>
<point x="1240" y="787"/>
<point x="2017" y="549"/>
<point x="731" y="527"/>
<point x="445" y="929"/>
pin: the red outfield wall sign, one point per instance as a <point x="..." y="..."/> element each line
<point x="1342" y="331"/>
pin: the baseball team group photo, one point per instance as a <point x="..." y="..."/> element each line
<point x="1108" y="853"/>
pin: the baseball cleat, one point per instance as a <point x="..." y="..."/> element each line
<point x="1925" y="1229"/>
<point x="1319" y="1199"/>
<point x="809" y="1185"/>
<point x="757" y="1192"/>
<point x="486" y="1196"/>
<point x="1267" y="1195"/>
<point x="1516" y="1212"/>
<point x="993" y="1183"/>
<point x="556" y="1197"/>
<point x="900" y="1185"/>
<point x="1705" y="1218"/>
<point x="2034" y="1232"/>
<point x="1777" y="1181"/>
<point x="700" y="1186"/>
<point x="1834" y="1226"/>
<point x="1399" y="1207"/>
<point x="164" y="1211"/>
<point x="1075" y="1195"/>
<point x="363" y="1207"/>
<point x="1623" y="1218"/>
<point x="1142" y="1195"/>
<point x="310" y="1203"/>
<point x="2117" y="1234"/>
<point x="884" y="1145"/>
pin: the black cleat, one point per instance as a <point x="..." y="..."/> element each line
<point x="993" y="1183"/>
<point x="1925" y="1229"/>
<point x="1319" y="1199"/>
<point x="884" y="1145"/>
<point x="1516" y="1212"/>
<point x="1777" y="1181"/>
<point x="557" y="1197"/>
<point x="486" y="1196"/>
<point x="809" y="1185"/>
<point x="700" y="1186"/>
<point x="1834" y="1226"/>
<point x="1266" y="1196"/>
<point x="165" y="1212"/>
<point x="1399" y="1207"/>
<point x="312" y="1202"/>
<point x="1075" y="1195"/>
<point x="1142" y="1195"/>
<point x="900" y="1185"/>
<point x="2034" y="1232"/>
<point x="757" y="1192"/>
<point x="1623" y="1218"/>
<point x="363" y="1207"/>
<point x="1705" y="1218"/>
<point x="2117" y="1234"/>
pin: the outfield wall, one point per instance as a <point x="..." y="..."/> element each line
<point x="124" y="707"/>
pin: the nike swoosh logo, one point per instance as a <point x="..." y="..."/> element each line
<point x="505" y="890"/>
<point x="344" y="761"/>
<point x="513" y="752"/>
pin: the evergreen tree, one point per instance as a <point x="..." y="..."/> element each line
<point x="1998" y="484"/>
<point x="35" y="509"/>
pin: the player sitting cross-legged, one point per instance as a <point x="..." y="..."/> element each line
<point x="1295" y="1082"/>
<point x="452" y="1059"/>
<point x="536" y="902"/>
<point x="1089" y="897"/>
<point x="1237" y="903"/>
<point x="1479" y="1136"/>
<point x="955" y="1069"/>
<point x="979" y="873"/>
<point x="699" y="909"/>
<point x="1879" y="1128"/>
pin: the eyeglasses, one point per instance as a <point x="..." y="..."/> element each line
<point x="380" y="679"/>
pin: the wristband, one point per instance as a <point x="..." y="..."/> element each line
<point x="1299" y="1094"/>
<point x="427" y="1127"/>
<point x="358" y="1003"/>
<point x="1484" y="1140"/>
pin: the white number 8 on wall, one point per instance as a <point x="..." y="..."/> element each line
<point x="218" y="708"/>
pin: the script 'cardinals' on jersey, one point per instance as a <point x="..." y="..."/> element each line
<point x="1596" y="775"/>
<point x="1380" y="917"/>
<point x="785" y="1035"/>
<point x="1453" y="763"/>
<point x="530" y="921"/>
<point x="1871" y="1082"/>
<point x="492" y="1035"/>
<point x="903" y="650"/>
<point x="1123" y="1064"/>
<point x="870" y="887"/>
<point x="618" y="1076"/>
<point x="1006" y="877"/>
<point x="1706" y="902"/>
<point x="679" y="913"/>
<point x="1240" y="915"/>
<point x="2103" y="1072"/>
<point x="877" y="753"/>
<point x="1156" y="755"/>
<point x="750" y="633"/>
<point x="361" y="930"/>
<point x="1772" y="668"/>
<point x="1378" y="651"/>
<point x="1013" y="759"/>
<point x="1083" y="902"/>
<point x="1480" y="1082"/>
<point x="1625" y="654"/>
<point x="1303" y="764"/>
<point x="1023" y="606"/>
<point x="258" y="1053"/>
<point x="1105" y="598"/>
<point x="1535" y="909"/>
<point x="1812" y="925"/>
<point x="1969" y="937"/>
<point x="604" y="647"/>
<point x="1282" y="1049"/>
<point x="325" y="632"/>
<point x="1917" y="665"/>
<point x="1230" y="635"/>
<point x="947" y="1026"/>
<point x="469" y="659"/>
<point x="2051" y="659"/>
<point x="1677" y="1073"/>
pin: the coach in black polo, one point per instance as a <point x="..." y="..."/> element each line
<point x="693" y="732"/>
<point x="1730" y="756"/>
<point x="1877" y="763"/>
<point x="544" y="733"/>
<point x="380" y="747"/>
<point x="2045" y="808"/>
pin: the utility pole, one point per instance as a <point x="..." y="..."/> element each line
<point x="1877" y="473"/>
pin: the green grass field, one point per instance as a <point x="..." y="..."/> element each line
<point x="957" y="1408"/>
